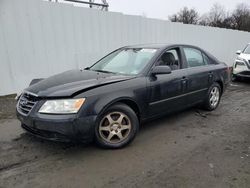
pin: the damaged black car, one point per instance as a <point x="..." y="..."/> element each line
<point x="109" y="100"/>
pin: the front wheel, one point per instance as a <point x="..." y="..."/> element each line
<point x="116" y="127"/>
<point x="235" y="78"/>
<point x="213" y="97"/>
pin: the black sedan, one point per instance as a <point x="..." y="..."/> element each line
<point x="109" y="100"/>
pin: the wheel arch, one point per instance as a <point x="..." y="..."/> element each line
<point x="221" y="85"/>
<point x="127" y="101"/>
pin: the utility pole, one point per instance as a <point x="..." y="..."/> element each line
<point x="105" y="3"/>
<point x="90" y="3"/>
<point x="103" y="6"/>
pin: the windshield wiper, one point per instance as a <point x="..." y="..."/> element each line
<point x="103" y="71"/>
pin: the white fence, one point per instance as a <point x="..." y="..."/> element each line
<point x="39" y="39"/>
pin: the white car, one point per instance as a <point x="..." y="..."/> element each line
<point x="241" y="67"/>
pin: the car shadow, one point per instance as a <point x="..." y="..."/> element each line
<point x="29" y="148"/>
<point x="242" y="81"/>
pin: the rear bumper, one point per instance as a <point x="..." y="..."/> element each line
<point x="63" y="128"/>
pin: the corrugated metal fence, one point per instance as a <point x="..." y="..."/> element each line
<point x="39" y="39"/>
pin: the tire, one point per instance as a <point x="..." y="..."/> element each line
<point x="116" y="127"/>
<point x="215" y="91"/>
<point x="235" y="78"/>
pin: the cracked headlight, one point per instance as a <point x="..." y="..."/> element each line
<point x="62" y="106"/>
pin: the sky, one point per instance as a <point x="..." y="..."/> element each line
<point x="163" y="8"/>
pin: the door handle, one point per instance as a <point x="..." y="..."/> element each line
<point x="184" y="80"/>
<point x="210" y="77"/>
<point x="184" y="83"/>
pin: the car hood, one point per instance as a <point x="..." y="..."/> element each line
<point x="245" y="56"/>
<point x="70" y="83"/>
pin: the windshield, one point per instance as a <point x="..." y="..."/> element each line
<point x="125" y="61"/>
<point x="247" y="50"/>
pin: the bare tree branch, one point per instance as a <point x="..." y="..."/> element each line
<point x="186" y="16"/>
<point x="217" y="17"/>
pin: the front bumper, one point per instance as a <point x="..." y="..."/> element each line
<point x="63" y="128"/>
<point x="241" y="68"/>
<point x="244" y="74"/>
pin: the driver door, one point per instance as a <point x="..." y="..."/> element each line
<point x="167" y="91"/>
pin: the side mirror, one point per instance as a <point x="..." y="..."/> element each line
<point x="238" y="52"/>
<point x="161" y="70"/>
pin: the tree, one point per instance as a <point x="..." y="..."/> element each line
<point x="241" y="17"/>
<point x="228" y="22"/>
<point x="216" y="15"/>
<point x="186" y="16"/>
<point x="204" y="20"/>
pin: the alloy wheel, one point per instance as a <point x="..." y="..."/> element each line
<point x="115" y="127"/>
<point x="214" y="97"/>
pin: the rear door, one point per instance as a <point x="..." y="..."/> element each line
<point x="199" y="74"/>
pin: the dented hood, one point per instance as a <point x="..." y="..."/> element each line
<point x="70" y="83"/>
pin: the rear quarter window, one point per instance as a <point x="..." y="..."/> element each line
<point x="206" y="59"/>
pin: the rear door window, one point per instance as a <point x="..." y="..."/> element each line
<point x="194" y="57"/>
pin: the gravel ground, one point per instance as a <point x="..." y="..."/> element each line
<point x="192" y="148"/>
<point x="7" y="107"/>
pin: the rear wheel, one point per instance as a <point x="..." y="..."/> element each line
<point x="213" y="97"/>
<point x="116" y="127"/>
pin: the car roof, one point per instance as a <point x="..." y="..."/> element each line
<point x="162" y="46"/>
<point x="154" y="45"/>
<point x="157" y="45"/>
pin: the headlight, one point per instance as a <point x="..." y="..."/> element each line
<point x="241" y="59"/>
<point x="62" y="106"/>
<point x="241" y="62"/>
<point x="18" y="96"/>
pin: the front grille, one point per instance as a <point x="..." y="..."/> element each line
<point x="248" y="64"/>
<point x="246" y="73"/>
<point x="26" y="103"/>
